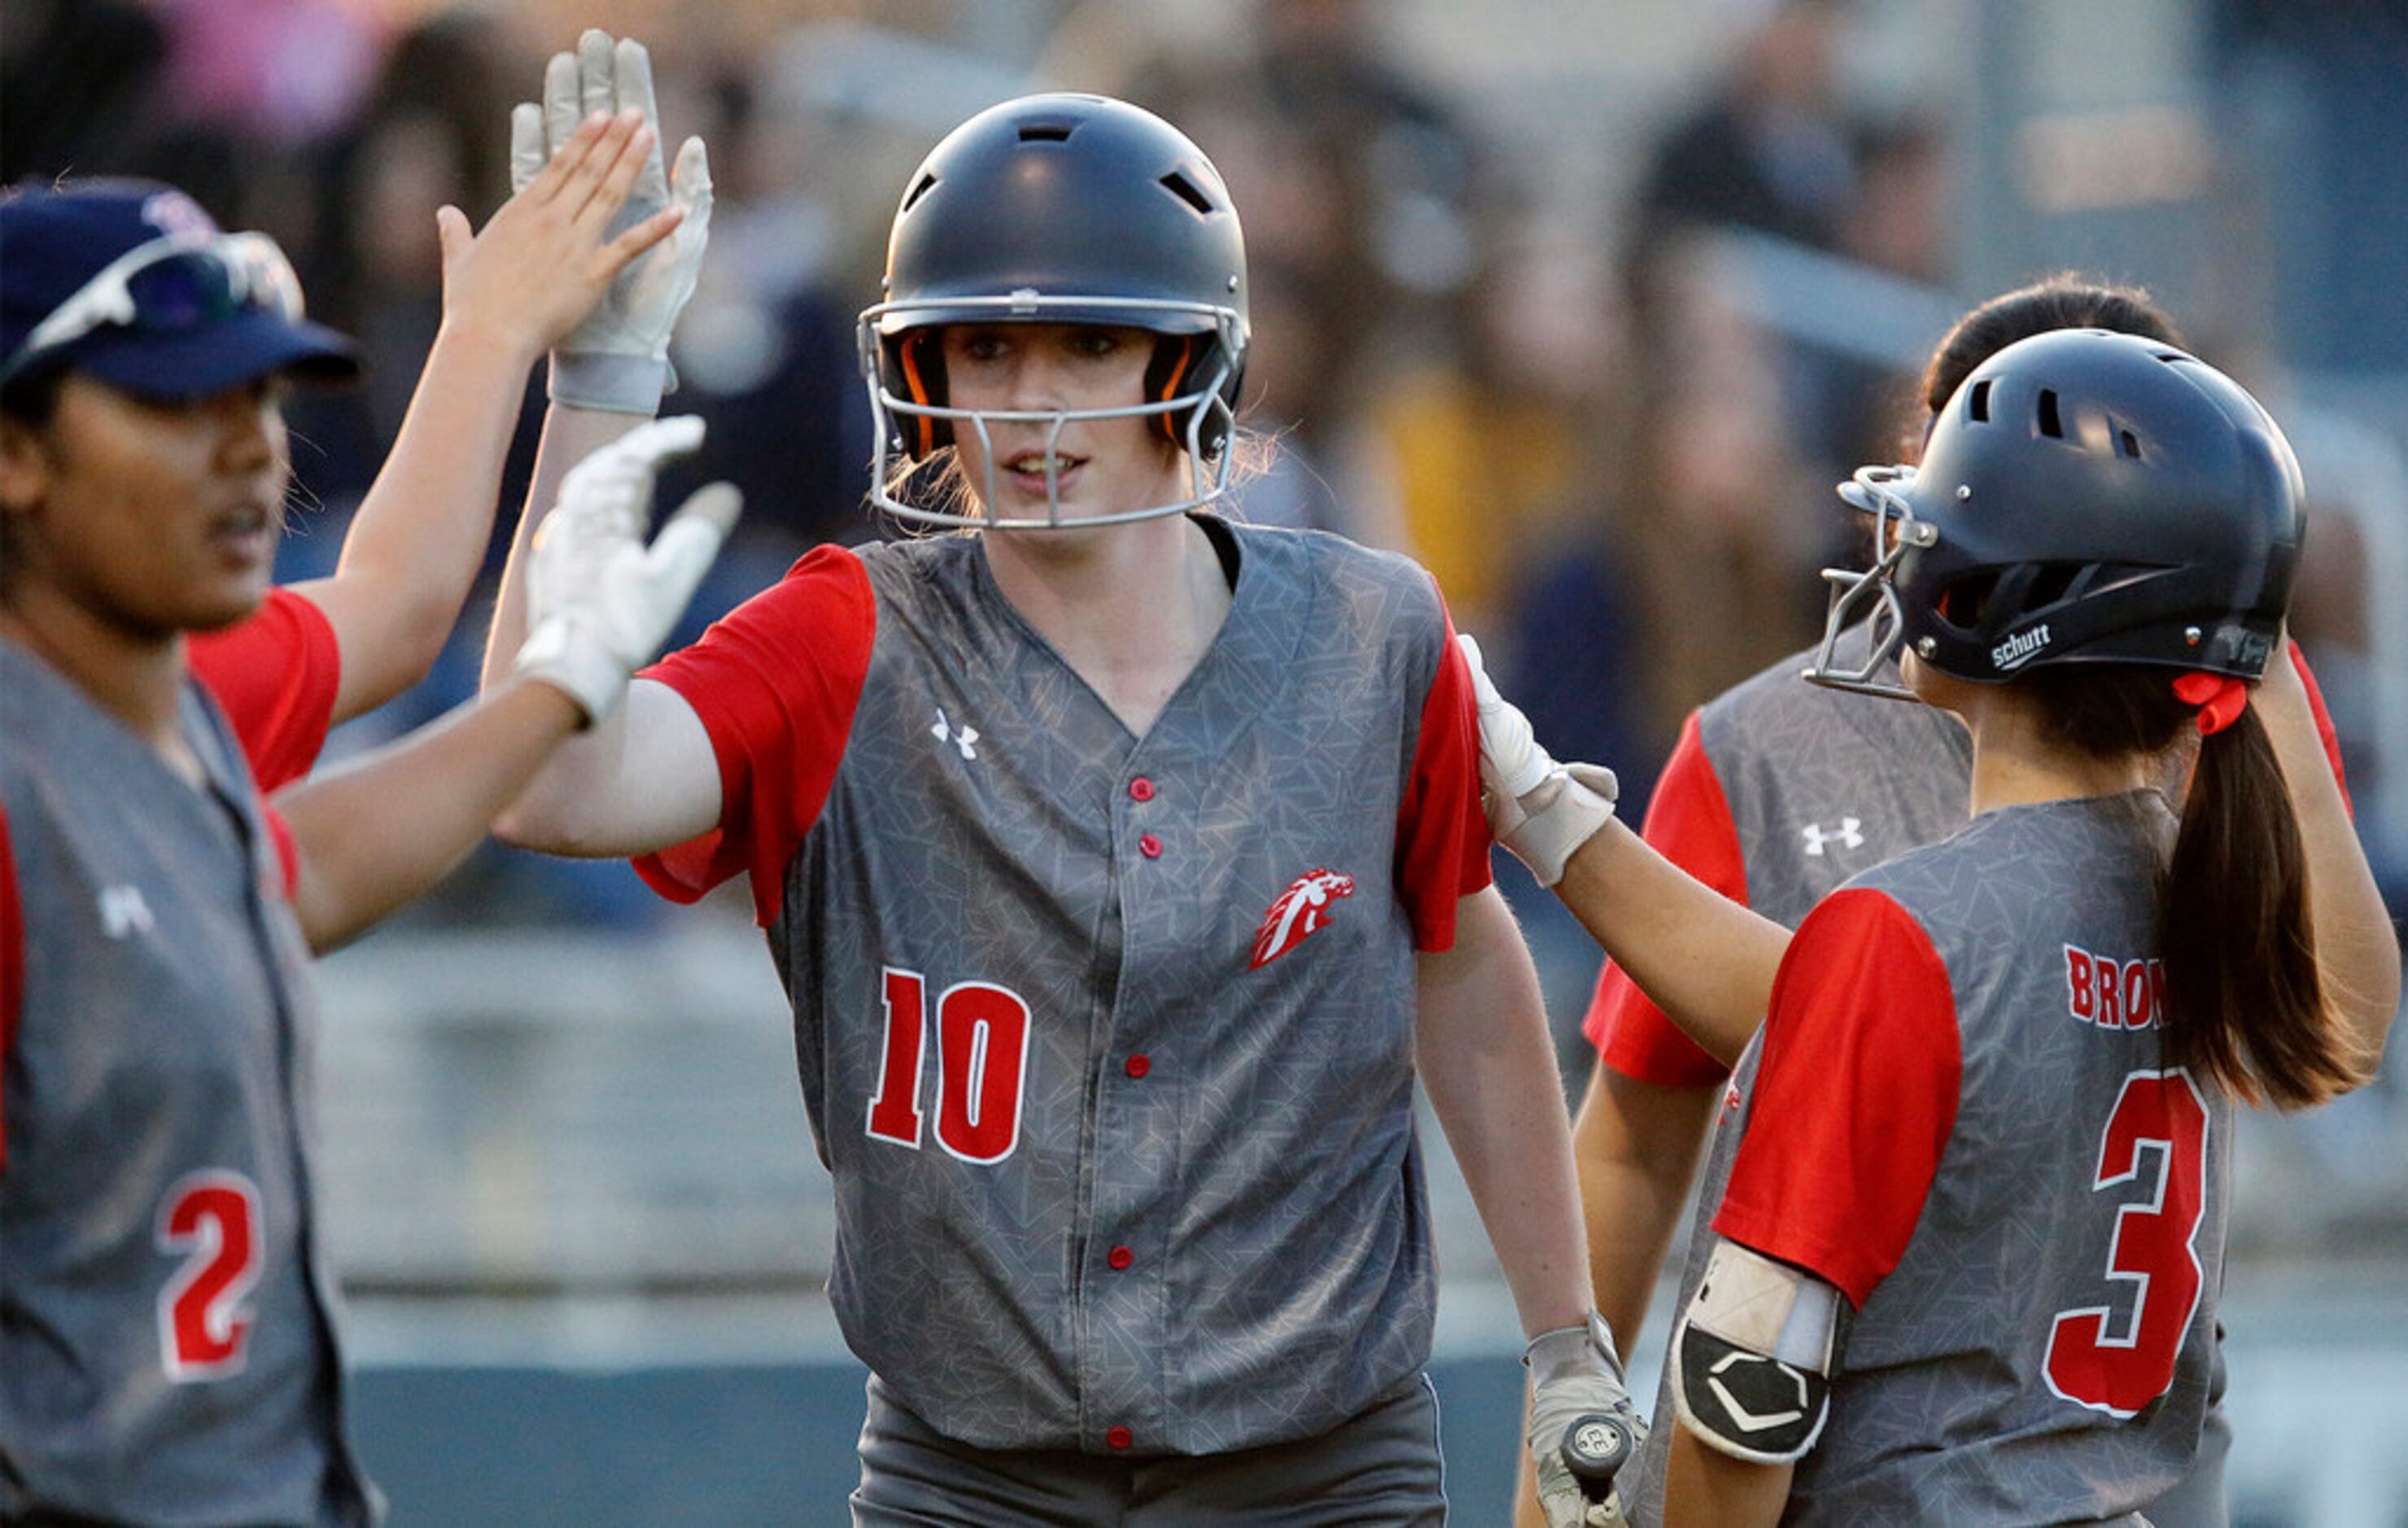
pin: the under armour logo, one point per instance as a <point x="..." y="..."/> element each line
<point x="123" y="911"/>
<point x="965" y="738"/>
<point x="1816" y="836"/>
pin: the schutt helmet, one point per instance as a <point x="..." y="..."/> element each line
<point x="2084" y="497"/>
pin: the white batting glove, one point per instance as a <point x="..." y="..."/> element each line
<point x="599" y="602"/>
<point x="1574" y="1373"/>
<point x="618" y="358"/>
<point x="1541" y="810"/>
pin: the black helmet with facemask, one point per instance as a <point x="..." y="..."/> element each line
<point x="1062" y="208"/>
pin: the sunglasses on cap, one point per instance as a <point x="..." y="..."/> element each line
<point x="170" y="285"/>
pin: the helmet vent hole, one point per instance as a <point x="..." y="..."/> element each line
<point x="2049" y="424"/>
<point x="1977" y="403"/>
<point x="1185" y="189"/>
<point x="2129" y="443"/>
<point x="1044" y="133"/>
<point x="926" y="184"/>
<point x="2052" y="583"/>
<point x="1960" y="604"/>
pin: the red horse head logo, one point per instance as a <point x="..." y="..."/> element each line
<point x="1298" y="912"/>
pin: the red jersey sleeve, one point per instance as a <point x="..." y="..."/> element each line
<point x="274" y="674"/>
<point x="1855" y="1099"/>
<point x="2323" y="723"/>
<point x="1689" y="823"/>
<point x="12" y="968"/>
<point x="1442" y="835"/>
<point x="775" y="683"/>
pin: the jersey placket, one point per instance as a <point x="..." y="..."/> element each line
<point x="1131" y="1152"/>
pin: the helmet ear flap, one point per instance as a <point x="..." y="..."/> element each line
<point x="1177" y="359"/>
<point x="913" y="364"/>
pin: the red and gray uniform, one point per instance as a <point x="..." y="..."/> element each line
<point x="1107" y="1040"/>
<point x="1960" y="1113"/>
<point x="166" y="1345"/>
<point x="1778" y="791"/>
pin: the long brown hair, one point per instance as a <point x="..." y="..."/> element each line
<point x="2243" y="1001"/>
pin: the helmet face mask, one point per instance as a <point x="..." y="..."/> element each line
<point x="1073" y="209"/>
<point x="2084" y="497"/>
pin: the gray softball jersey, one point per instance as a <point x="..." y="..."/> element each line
<point x="166" y="1345"/>
<point x="1788" y="789"/>
<point x="2011" y="1368"/>
<point x="1107" y="1039"/>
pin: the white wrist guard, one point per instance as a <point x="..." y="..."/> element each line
<point x="620" y="384"/>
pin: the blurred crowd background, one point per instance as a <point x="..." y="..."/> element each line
<point x="1585" y="305"/>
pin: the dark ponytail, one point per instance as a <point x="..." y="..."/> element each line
<point x="2243" y="999"/>
<point x="2243" y="989"/>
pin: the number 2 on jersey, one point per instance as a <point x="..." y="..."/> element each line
<point x="982" y="1064"/>
<point x="212" y="1217"/>
<point x="2121" y="1372"/>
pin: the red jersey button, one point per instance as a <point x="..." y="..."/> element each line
<point x="1121" y="1257"/>
<point x="1137" y="1067"/>
<point x="1119" y="1437"/>
<point x="1150" y="846"/>
<point x="1140" y="789"/>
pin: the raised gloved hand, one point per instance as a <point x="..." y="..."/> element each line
<point x="599" y="602"/>
<point x="618" y="358"/>
<point x="1575" y="1375"/>
<point x="1538" y="809"/>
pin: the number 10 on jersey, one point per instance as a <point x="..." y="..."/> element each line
<point x="981" y="1054"/>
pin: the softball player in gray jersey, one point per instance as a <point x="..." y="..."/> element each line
<point x="1969" y="1221"/>
<point x="167" y="1349"/>
<point x="1778" y="791"/>
<point x="1123" y="864"/>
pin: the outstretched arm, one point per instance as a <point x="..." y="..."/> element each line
<point x="2358" y="954"/>
<point x="418" y="536"/>
<point x="371" y="837"/>
<point x="645" y="776"/>
<point x="1703" y="959"/>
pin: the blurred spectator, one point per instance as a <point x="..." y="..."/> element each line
<point x="81" y="91"/>
<point x="1770" y="148"/>
<point x="1722" y="519"/>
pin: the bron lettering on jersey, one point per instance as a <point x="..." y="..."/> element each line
<point x="2111" y="993"/>
<point x="1297" y="913"/>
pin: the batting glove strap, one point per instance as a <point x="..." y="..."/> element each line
<point x="576" y="662"/>
<point x="1548" y="825"/>
<point x="618" y="384"/>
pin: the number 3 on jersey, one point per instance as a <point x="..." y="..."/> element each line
<point x="2121" y="1372"/>
<point x="981" y="1066"/>
<point x="213" y="1217"/>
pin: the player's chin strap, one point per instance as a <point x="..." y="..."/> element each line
<point x="1751" y="1366"/>
<point x="1870" y="598"/>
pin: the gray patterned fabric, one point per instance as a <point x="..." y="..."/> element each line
<point x="165" y="1033"/>
<point x="1233" y="1248"/>
<point x="1941" y="1409"/>
<point x="1823" y="784"/>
